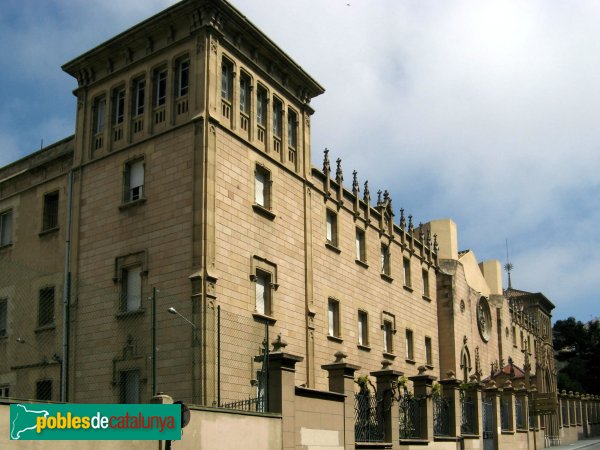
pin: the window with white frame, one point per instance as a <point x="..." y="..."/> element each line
<point x="406" y="271"/>
<point x="333" y="317"/>
<point x="99" y="114"/>
<point x="428" y="351"/>
<point x="425" y="283"/>
<point x="46" y="307"/>
<point x="6" y="228"/>
<point x="3" y="317"/>
<point x="363" y="328"/>
<point x="264" y="275"/>
<point x="410" y="355"/>
<point x="5" y="391"/>
<point x="514" y="335"/>
<point x="118" y="105"/>
<point x="360" y="245"/>
<point x="50" y="217"/>
<point x="160" y="87"/>
<point x="261" y="112"/>
<point x="183" y="77"/>
<point x="262" y="187"/>
<point x="139" y="99"/>
<point x="131" y="289"/>
<point x="277" y="117"/>
<point x="331" y="232"/>
<point x="226" y="80"/>
<point x="129" y="382"/>
<point x="385" y="259"/>
<point x="292" y="129"/>
<point x="245" y="85"/>
<point x="134" y="181"/>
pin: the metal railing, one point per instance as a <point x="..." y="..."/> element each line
<point x="368" y="417"/>
<point x="519" y="413"/>
<point x="441" y="416"/>
<point x="467" y="413"/>
<point x="504" y="415"/>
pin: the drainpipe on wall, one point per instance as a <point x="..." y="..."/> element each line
<point x="64" y="369"/>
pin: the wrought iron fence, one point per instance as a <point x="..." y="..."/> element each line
<point x="565" y="413"/>
<point x="441" y="416"/>
<point x="256" y="404"/>
<point x="519" y="413"/>
<point x="410" y="416"/>
<point x="504" y="415"/>
<point x="368" y="417"/>
<point x="467" y="413"/>
<point x="531" y="416"/>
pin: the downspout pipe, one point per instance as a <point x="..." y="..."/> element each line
<point x="66" y="293"/>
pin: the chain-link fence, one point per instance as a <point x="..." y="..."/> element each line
<point x="121" y="341"/>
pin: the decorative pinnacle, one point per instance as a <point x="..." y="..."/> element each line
<point x="367" y="193"/>
<point x="326" y="165"/>
<point x="402" y="219"/>
<point x="355" y="188"/>
<point x="421" y="233"/>
<point x="436" y="247"/>
<point x="339" y="177"/>
<point x="379" y="197"/>
<point x="410" y="224"/>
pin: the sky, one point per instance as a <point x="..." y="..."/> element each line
<point x="482" y="111"/>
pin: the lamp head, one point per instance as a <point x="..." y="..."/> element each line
<point x="172" y="310"/>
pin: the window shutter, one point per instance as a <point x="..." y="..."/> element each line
<point x="260" y="182"/>
<point x="261" y="283"/>
<point x="134" y="288"/>
<point x="136" y="175"/>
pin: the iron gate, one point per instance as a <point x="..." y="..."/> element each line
<point x="487" y="407"/>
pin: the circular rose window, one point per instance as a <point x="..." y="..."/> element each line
<point x="484" y="319"/>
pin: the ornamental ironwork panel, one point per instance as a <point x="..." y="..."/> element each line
<point x="487" y="408"/>
<point x="519" y="413"/>
<point x="410" y="408"/>
<point x="441" y="416"/>
<point x="504" y="415"/>
<point x="467" y="415"/>
<point x="368" y="418"/>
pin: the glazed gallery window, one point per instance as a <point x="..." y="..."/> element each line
<point x="99" y="114"/>
<point x="245" y="94"/>
<point x="363" y="328"/>
<point x="50" y="218"/>
<point x="226" y="80"/>
<point x="139" y="99"/>
<point x="160" y="87"/>
<point x="6" y="228"/>
<point x="333" y="317"/>
<point x="277" y="117"/>
<point x="292" y="121"/>
<point x="46" y="307"/>
<point x="409" y="345"/>
<point x="131" y="289"/>
<point x="183" y="77"/>
<point x="118" y="106"/>
<point x="425" y="282"/>
<point x="406" y="271"/>
<point x="261" y="106"/>
<point x="134" y="181"/>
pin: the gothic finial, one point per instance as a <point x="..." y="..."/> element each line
<point x="355" y="188"/>
<point x="410" y="224"/>
<point x="421" y="232"/>
<point x="339" y="177"/>
<point x="379" y="197"/>
<point x="436" y="247"/>
<point x="367" y="193"/>
<point x="428" y="238"/>
<point x="278" y="344"/>
<point x="386" y="196"/>
<point x="326" y="165"/>
<point x="402" y="220"/>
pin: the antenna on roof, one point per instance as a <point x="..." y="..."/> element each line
<point x="508" y="266"/>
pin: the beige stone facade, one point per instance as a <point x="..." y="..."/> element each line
<point x="191" y="184"/>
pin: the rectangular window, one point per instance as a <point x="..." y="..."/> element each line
<point x="261" y="106"/>
<point x="263" y="293"/>
<point x="428" y="354"/>
<point x="363" y="328"/>
<point x="388" y="336"/>
<point x="226" y="80"/>
<point x="134" y="181"/>
<point x="245" y="94"/>
<point x="160" y="87"/>
<point x="6" y="228"/>
<point x="333" y="317"/>
<point x="5" y="391"/>
<point x="277" y="117"/>
<point x="131" y="289"/>
<point x="262" y="185"/>
<point x="46" y="307"/>
<point x="292" y="122"/>
<point x="409" y="345"/>
<point x="43" y="390"/>
<point x="139" y="88"/>
<point x="129" y="381"/>
<point x="99" y="113"/>
<point x="118" y="106"/>
<point x="425" y="282"/>
<point x="360" y="245"/>
<point x="183" y="77"/>
<point x="3" y="316"/>
<point x="529" y="344"/>
<point x="331" y="228"/>
<point x="385" y="259"/>
<point x="514" y="336"/>
<point x="406" y="271"/>
<point x="50" y="219"/>
<point x="522" y="341"/>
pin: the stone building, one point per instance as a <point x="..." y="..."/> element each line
<point x="189" y="185"/>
